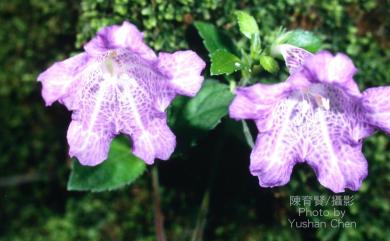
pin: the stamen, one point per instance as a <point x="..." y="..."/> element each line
<point x="108" y="63"/>
<point x="322" y="101"/>
<point x="109" y="66"/>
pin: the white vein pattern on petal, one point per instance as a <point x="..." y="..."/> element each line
<point x="377" y="107"/>
<point x="336" y="155"/>
<point x="327" y="130"/>
<point x="91" y="132"/>
<point x="120" y="100"/>
<point x="275" y="147"/>
<point x="288" y="108"/>
<point x="293" y="56"/>
<point x="151" y="136"/>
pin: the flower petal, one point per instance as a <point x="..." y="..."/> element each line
<point x="335" y="141"/>
<point x="376" y="104"/>
<point x="328" y="137"/>
<point x="155" y="141"/>
<point x="143" y="95"/>
<point x="256" y="101"/>
<point x="323" y="67"/>
<point x="164" y="98"/>
<point x="184" y="69"/>
<point x="93" y="119"/>
<point x="299" y="80"/>
<point x="293" y="56"/>
<point x="90" y="147"/>
<point x="337" y="170"/>
<point x="276" y="150"/>
<point x="58" y="79"/>
<point x="120" y="86"/>
<point x="341" y="68"/>
<point x="273" y="166"/>
<point x="337" y="162"/>
<point x="115" y="37"/>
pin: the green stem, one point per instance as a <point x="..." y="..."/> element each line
<point x="247" y="134"/>
<point x="158" y="215"/>
<point x="201" y="220"/>
<point x="197" y="235"/>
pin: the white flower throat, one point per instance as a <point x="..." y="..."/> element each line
<point x="317" y="94"/>
<point x="108" y="64"/>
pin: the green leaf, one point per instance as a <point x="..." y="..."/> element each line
<point x="302" y="39"/>
<point x="247" y="24"/>
<point x="206" y="109"/>
<point x="120" y="169"/>
<point x="213" y="38"/>
<point x="224" y="62"/>
<point x="269" y="64"/>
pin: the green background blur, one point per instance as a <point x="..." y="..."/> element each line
<point x="34" y="166"/>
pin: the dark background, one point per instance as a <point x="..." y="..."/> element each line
<point x="34" y="166"/>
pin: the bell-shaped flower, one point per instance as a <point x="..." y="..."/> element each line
<point x="317" y="116"/>
<point x="119" y="86"/>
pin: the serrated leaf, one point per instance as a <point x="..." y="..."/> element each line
<point x="247" y="24"/>
<point x="269" y="64"/>
<point x="206" y="109"/>
<point x="120" y="169"/>
<point x="213" y="38"/>
<point x="302" y="39"/>
<point x="224" y="62"/>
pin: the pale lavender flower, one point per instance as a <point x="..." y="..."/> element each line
<point x="119" y="86"/>
<point x="317" y="116"/>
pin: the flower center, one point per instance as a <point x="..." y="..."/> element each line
<point x="316" y="95"/>
<point x="109" y="63"/>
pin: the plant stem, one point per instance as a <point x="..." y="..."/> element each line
<point x="20" y="179"/>
<point x="158" y="215"/>
<point x="201" y="220"/>
<point x="247" y="134"/>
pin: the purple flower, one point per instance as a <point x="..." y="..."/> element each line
<point x="119" y="86"/>
<point x="317" y="116"/>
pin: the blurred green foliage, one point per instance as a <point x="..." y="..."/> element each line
<point x="35" y="33"/>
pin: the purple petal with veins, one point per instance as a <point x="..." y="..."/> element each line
<point x="317" y="116"/>
<point x="293" y="56"/>
<point x="377" y="106"/>
<point x="119" y="86"/>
